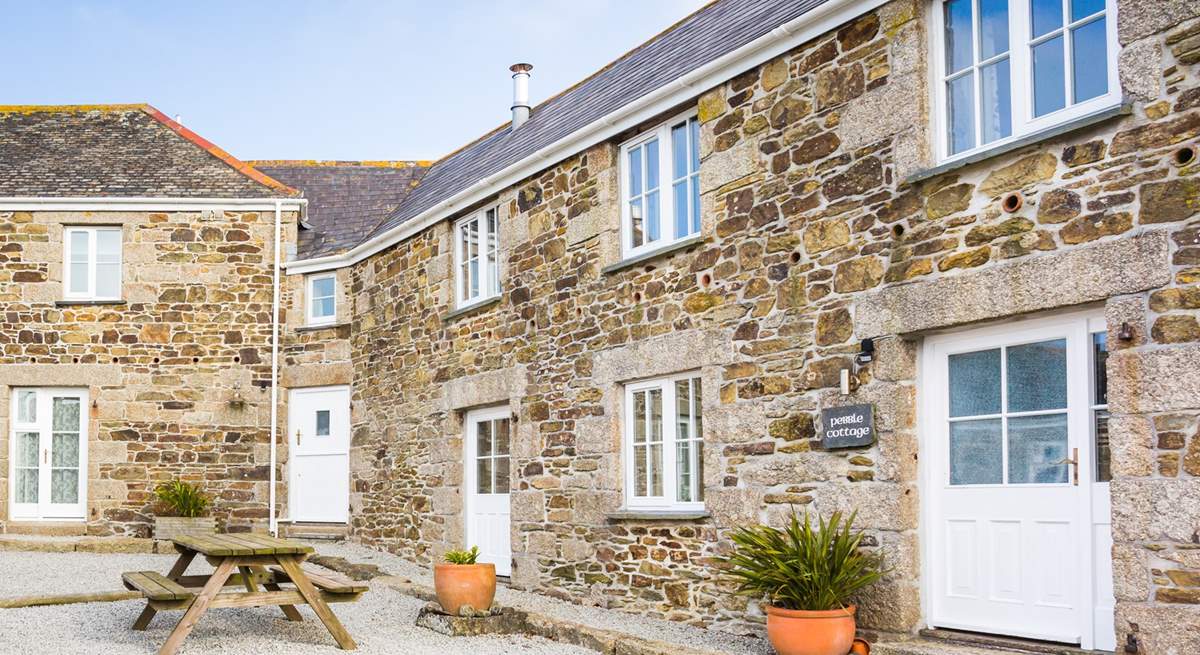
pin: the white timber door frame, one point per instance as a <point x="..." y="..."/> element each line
<point x="990" y="590"/>
<point x="319" y="454"/>
<point x="487" y="516"/>
<point x="32" y="414"/>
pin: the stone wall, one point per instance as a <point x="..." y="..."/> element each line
<point x="814" y="238"/>
<point x="163" y="367"/>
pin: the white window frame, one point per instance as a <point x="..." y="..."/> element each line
<point x="668" y="501"/>
<point x="1020" y="75"/>
<point x="91" y="294"/>
<point x="489" y="280"/>
<point x="310" y="296"/>
<point x="666" y="180"/>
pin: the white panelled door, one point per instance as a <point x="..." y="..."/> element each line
<point x="1011" y="442"/>
<point x="319" y="429"/>
<point x="48" y="453"/>
<point x="486" y="442"/>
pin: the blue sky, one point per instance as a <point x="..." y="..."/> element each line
<point x="317" y="80"/>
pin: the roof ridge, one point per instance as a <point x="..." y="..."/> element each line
<point x="212" y="149"/>
<point x="34" y="109"/>
<point x="332" y="163"/>
<point x="583" y="80"/>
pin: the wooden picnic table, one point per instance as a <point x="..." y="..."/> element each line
<point x="260" y="560"/>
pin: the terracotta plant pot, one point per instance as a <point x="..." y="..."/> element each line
<point x="458" y="585"/>
<point x="801" y="632"/>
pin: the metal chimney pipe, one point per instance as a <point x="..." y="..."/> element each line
<point x="520" y="106"/>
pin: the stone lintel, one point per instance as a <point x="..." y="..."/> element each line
<point x="675" y="352"/>
<point x="316" y="375"/>
<point x="1031" y="284"/>
<point x="488" y="388"/>
<point x="60" y="375"/>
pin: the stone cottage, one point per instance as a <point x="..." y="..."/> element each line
<point x="599" y="337"/>
<point x="136" y="280"/>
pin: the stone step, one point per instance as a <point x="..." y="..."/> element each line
<point x="949" y="642"/>
<point x="70" y="544"/>
<point x="47" y="528"/>
<point x="317" y="531"/>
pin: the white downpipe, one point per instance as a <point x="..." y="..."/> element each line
<point x="274" y="525"/>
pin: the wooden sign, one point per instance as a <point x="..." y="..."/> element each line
<point x="848" y="427"/>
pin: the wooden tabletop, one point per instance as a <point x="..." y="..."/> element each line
<point x="242" y="544"/>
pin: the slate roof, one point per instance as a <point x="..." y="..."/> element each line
<point x="117" y="151"/>
<point x="707" y="34"/>
<point x="346" y="199"/>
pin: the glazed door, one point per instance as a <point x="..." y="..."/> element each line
<point x="488" y="524"/>
<point x="48" y="453"/>
<point x="320" y="454"/>
<point x="1009" y="439"/>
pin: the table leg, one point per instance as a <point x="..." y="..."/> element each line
<point x="291" y="566"/>
<point x="178" y="569"/>
<point x="289" y="611"/>
<point x="199" y="606"/>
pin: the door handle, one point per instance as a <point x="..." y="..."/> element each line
<point x="297" y="436"/>
<point x="1073" y="460"/>
<point x="45" y="455"/>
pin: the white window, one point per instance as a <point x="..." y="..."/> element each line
<point x="477" y="257"/>
<point x="660" y="186"/>
<point x="1010" y="68"/>
<point x="664" y="440"/>
<point x="92" y="263"/>
<point x="322" y="299"/>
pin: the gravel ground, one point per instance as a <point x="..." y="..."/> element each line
<point x="381" y="622"/>
<point x="649" y="628"/>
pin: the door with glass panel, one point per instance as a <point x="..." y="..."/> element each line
<point x="48" y="453"/>
<point x="487" y="438"/>
<point x="1012" y="418"/>
<point x="319" y="462"/>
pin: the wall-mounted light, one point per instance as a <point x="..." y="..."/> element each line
<point x="237" y="400"/>
<point x="866" y="352"/>
<point x="1125" y="332"/>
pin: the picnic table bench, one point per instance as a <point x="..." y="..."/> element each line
<point x="260" y="561"/>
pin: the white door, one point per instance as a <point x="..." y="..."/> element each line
<point x="486" y="439"/>
<point x="48" y="453"/>
<point x="1009" y="428"/>
<point x="319" y="428"/>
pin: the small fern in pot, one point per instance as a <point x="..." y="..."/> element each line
<point x="807" y="573"/>
<point x="464" y="587"/>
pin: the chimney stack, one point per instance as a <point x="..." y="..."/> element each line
<point x="520" y="106"/>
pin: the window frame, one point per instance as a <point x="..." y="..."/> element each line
<point x="670" y="441"/>
<point x="92" y="231"/>
<point x="310" y="295"/>
<point x="489" y="286"/>
<point x="1024" y="123"/>
<point x="666" y="181"/>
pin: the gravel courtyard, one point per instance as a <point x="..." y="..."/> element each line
<point x="381" y="622"/>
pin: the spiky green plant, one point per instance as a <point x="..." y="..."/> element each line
<point x="802" y="566"/>
<point x="179" y="498"/>
<point x="462" y="556"/>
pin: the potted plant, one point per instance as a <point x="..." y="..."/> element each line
<point x="181" y="510"/>
<point x="460" y="582"/>
<point x="807" y="574"/>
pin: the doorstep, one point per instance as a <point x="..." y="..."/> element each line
<point x="950" y="642"/>
<point x="53" y="544"/>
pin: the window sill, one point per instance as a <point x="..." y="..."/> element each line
<point x="468" y="309"/>
<point x="646" y="256"/>
<point x="628" y="514"/>
<point x="322" y="326"/>
<point x="1008" y="146"/>
<point x="69" y="303"/>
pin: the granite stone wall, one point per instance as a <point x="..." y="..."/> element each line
<point x="165" y="367"/>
